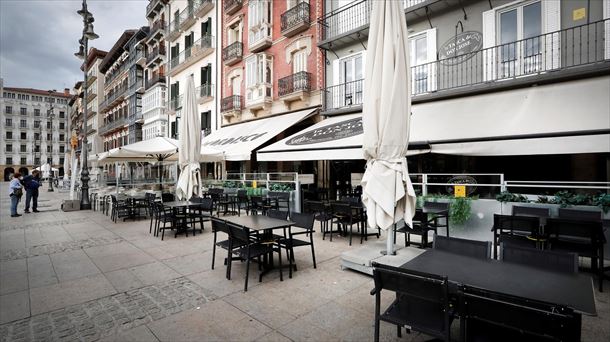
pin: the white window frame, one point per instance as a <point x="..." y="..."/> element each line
<point x="429" y="68"/>
<point x="260" y="16"/>
<point x="257" y="78"/>
<point x="345" y="95"/>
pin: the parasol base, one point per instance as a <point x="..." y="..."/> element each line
<point x="386" y="253"/>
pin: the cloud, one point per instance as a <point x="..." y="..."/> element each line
<point x="38" y="38"/>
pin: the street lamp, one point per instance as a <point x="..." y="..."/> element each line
<point x="51" y="115"/>
<point x="88" y="34"/>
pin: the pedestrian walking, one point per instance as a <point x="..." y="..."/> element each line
<point x="31" y="183"/>
<point x="16" y="191"/>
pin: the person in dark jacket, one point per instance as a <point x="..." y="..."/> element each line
<point x="31" y="184"/>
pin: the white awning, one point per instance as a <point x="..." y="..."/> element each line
<point x="238" y="141"/>
<point x="334" y="138"/>
<point x="599" y="143"/>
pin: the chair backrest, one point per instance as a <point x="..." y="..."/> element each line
<point x="207" y="204"/>
<point x="278" y="214"/>
<point x="515" y="223"/>
<point x="302" y="220"/>
<point x="314" y="206"/>
<point x="242" y="194"/>
<point x="561" y="229"/>
<point x="583" y="215"/>
<point x="531" y="211"/>
<point x="219" y="225"/>
<point x="471" y="248"/>
<point x="548" y="260"/>
<point x="351" y="199"/>
<point x="256" y="200"/>
<point x="436" y="205"/>
<point x="423" y="292"/>
<point x="494" y="316"/>
<point x="342" y="208"/>
<point x="195" y="199"/>
<point x="167" y="197"/>
<point x="238" y="233"/>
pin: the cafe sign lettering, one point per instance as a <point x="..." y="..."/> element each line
<point x="339" y="130"/>
<point x="460" y="48"/>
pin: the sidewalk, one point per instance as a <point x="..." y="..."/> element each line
<point x="79" y="276"/>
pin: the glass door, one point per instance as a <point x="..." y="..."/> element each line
<point x="519" y="37"/>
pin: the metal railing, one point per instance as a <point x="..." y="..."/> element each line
<point x="175" y="103"/>
<point x="158" y="25"/>
<point x="343" y="95"/>
<point x="233" y="102"/>
<point x="575" y="46"/>
<point x="298" y="15"/>
<point x="155" y="53"/>
<point x="113" y="125"/>
<point x="234" y="50"/>
<point x="300" y="81"/>
<point x="205" y="90"/>
<point x="151" y="5"/>
<point x="115" y="94"/>
<point x="206" y="42"/>
<point x="110" y="76"/>
<point x="133" y="58"/>
<point x="139" y="83"/>
<point x="152" y="81"/>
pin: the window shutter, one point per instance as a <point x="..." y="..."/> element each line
<point x="209" y="75"/>
<point x="431" y="57"/>
<point x="489" y="41"/>
<point x="209" y="26"/>
<point x="551" y="20"/>
<point x="607" y="28"/>
<point x="173" y="129"/>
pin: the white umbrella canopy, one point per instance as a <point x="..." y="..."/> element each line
<point x="387" y="190"/>
<point x="190" y="146"/>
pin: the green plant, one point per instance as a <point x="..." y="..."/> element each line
<point x="459" y="207"/>
<point x="566" y="198"/>
<point x="280" y="187"/>
<point x="543" y="199"/>
<point x="602" y="200"/>
<point x="229" y="184"/>
<point x="506" y="196"/>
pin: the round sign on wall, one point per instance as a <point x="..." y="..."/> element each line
<point x="460" y="48"/>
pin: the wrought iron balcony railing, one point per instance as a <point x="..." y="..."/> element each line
<point x="157" y="27"/>
<point x="110" y="126"/>
<point x="113" y="96"/>
<point x="232" y="6"/>
<point x="205" y="91"/>
<point x="155" y="54"/>
<point x="154" y="80"/>
<point x="233" y="102"/>
<point x="343" y="95"/>
<point x="202" y="47"/>
<point x="175" y="103"/>
<point x="233" y="52"/>
<point x="295" y="19"/>
<point x="300" y="81"/>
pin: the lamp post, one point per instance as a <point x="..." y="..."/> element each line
<point x="51" y="115"/>
<point x="88" y="34"/>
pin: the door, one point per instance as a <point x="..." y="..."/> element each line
<point x="519" y="38"/>
<point x="351" y="75"/>
<point x="299" y="70"/>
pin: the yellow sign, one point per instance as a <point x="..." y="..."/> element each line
<point x="254" y="184"/>
<point x="579" y="13"/>
<point x="459" y="190"/>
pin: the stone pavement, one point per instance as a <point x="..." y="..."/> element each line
<point x="78" y="276"/>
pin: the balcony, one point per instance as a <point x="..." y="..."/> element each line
<point x="114" y="98"/>
<point x="295" y="87"/>
<point x="551" y="57"/>
<point x="91" y="78"/>
<point x="112" y="75"/>
<point x="200" y="49"/>
<point x="203" y="6"/>
<point x="23" y="125"/>
<point x="154" y="80"/>
<point x="231" y="106"/>
<point x="295" y="20"/>
<point x="232" y="53"/>
<point x="155" y="56"/>
<point x="113" y="125"/>
<point x="343" y="97"/>
<point x="173" y="30"/>
<point x="137" y="58"/>
<point x="157" y="30"/>
<point x="259" y="37"/>
<point x="91" y="95"/>
<point x="187" y="17"/>
<point x="175" y="104"/>
<point x="232" y="6"/>
<point x="136" y="118"/>
<point x="137" y="86"/>
<point x="205" y="93"/>
<point x="154" y="8"/>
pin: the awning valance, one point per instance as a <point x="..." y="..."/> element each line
<point x="238" y="141"/>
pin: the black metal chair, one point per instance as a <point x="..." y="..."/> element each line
<point x="164" y="215"/>
<point x="252" y="249"/>
<point x="242" y="201"/>
<point x="548" y="260"/>
<point x="277" y="214"/>
<point x="120" y="209"/>
<point x="152" y="212"/>
<point x="471" y="248"/>
<point x="422" y="301"/>
<point x="514" y="230"/>
<point x="583" y="215"/>
<point x="585" y="238"/>
<point x="439" y="220"/>
<point x="492" y="316"/>
<point x="419" y="227"/>
<point x="321" y="214"/>
<point x="256" y="205"/>
<point x="344" y="217"/>
<point x="230" y="245"/>
<point x="304" y="224"/>
<point x="167" y="197"/>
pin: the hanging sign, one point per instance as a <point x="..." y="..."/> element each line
<point x="459" y="190"/>
<point x="460" y="48"/>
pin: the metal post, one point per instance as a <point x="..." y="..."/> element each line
<point x="85" y="204"/>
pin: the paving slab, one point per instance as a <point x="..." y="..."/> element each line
<point x="154" y="272"/>
<point x="123" y="280"/>
<point x="72" y="265"/>
<point x="139" y="334"/>
<point x="117" y="256"/>
<point x="41" y="272"/>
<point x="14" y="306"/>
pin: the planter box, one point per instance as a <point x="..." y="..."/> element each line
<point x="70" y="205"/>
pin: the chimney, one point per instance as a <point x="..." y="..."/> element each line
<point x="66" y="91"/>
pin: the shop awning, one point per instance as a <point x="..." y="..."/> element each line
<point x="335" y="138"/>
<point x="238" y="141"/>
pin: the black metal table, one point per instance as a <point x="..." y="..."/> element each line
<point x="572" y="290"/>
<point x="181" y="206"/>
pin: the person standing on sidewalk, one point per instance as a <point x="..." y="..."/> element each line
<point x="31" y="183"/>
<point x="16" y="191"/>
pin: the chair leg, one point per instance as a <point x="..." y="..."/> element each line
<point x="279" y="252"/>
<point x="214" y="251"/>
<point x="398" y="331"/>
<point x="313" y="253"/>
<point x="350" y="234"/>
<point x="377" y="308"/>
<point x="247" y="269"/>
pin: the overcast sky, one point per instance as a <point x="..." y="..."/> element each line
<point x="38" y="38"/>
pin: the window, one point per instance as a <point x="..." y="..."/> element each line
<point x="48" y="124"/>
<point x="206" y="27"/>
<point x="48" y="136"/>
<point x="62" y="125"/>
<point x="36" y="136"/>
<point x="23" y="161"/>
<point x="62" y="115"/>
<point x="61" y="161"/>
<point x="48" y="148"/>
<point x="9" y="109"/>
<point x="299" y="61"/>
<point x="23" y="123"/>
<point x="23" y="111"/>
<point x="37" y="148"/>
<point x="24" y="135"/>
<point x="36" y="112"/>
<point x="9" y="135"/>
<point x="23" y="148"/>
<point x="348" y="73"/>
<point x="9" y="148"/>
<point x="423" y="53"/>
<point x="234" y="33"/>
<point x="9" y="160"/>
<point x="37" y="161"/>
<point x="258" y="77"/>
<point x="8" y="122"/>
<point x="61" y="137"/>
<point x="62" y="149"/>
<point x="173" y="129"/>
<point x="206" y="121"/>
<point x="259" y="21"/>
<point x="37" y="124"/>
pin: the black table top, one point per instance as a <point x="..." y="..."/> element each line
<point x="572" y="290"/>
<point x="438" y="211"/>
<point x="258" y="222"/>
<point x="176" y="204"/>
